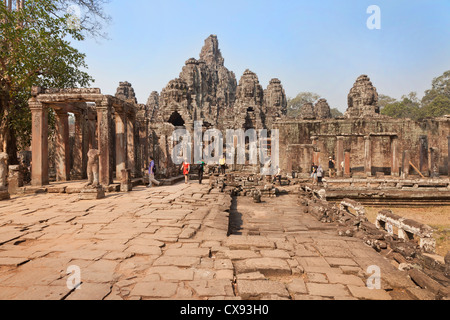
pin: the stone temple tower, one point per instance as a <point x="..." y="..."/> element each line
<point x="363" y="99"/>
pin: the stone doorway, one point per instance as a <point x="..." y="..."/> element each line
<point x="176" y="120"/>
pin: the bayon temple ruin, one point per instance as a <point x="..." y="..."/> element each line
<point x="363" y="143"/>
<point x="379" y="160"/>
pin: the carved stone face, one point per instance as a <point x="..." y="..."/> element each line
<point x="249" y="90"/>
<point x="363" y="98"/>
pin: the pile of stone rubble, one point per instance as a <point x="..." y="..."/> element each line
<point x="410" y="254"/>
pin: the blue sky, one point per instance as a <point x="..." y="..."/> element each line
<point x="318" y="46"/>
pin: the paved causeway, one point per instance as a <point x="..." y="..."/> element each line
<point x="172" y="243"/>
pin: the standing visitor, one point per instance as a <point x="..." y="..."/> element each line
<point x="332" y="167"/>
<point x="320" y="173"/>
<point x="186" y="168"/>
<point x="151" y="173"/>
<point x="201" y="170"/>
<point x="278" y="176"/>
<point x="223" y="163"/>
<point x="314" y="173"/>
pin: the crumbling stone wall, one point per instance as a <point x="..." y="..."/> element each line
<point x="294" y="133"/>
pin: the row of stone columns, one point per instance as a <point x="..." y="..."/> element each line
<point x="86" y="136"/>
<point x="343" y="156"/>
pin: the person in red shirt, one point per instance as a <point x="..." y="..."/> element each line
<point x="186" y="167"/>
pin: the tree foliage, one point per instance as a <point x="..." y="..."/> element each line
<point x="408" y="107"/>
<point x="335" y="113"/>
<point x="35" y="50"/>
<point x="295" y="104"/>
<point x="435" y="103"/>
<point x="439" y="87"/>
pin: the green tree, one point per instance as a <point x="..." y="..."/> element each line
<point x="295" y="104"/>
<point x="438" y="107"/>
<point x="409" y="107"/>
<point x="384" y="100"/>
<point x="336" y="113"/>
<point x="35" y="50"/>
<point x="439" y="87"/>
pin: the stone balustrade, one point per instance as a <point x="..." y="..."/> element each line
<point x="407" y="229"/>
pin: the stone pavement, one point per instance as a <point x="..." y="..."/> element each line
<point x="172" y="243"/>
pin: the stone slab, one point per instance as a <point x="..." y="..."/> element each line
<point x="251" y="289"/>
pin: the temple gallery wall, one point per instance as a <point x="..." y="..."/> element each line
<point x="126" y="134"/>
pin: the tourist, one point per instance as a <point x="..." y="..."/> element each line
<point x="186" y="168"/>
<point x="222" y="163"/>
<point x="201" y="170"/>
<point x="320" y="173"/>
<point x="332" y="167"/>
<point x="151" y="173"/>
<point x="314" y="173"/>
<point x="278" y="176"/>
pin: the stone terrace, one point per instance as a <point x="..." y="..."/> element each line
<point x="172" y="243"/>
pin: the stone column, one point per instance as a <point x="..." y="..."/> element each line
<point x="105" y="142"/>
<point x="448" y="164"/>
<point x="131" y="150"/>
<point x="435" y="159"/>
<point x="424" y="168"/>
<point x="39" y="143"/>
<point x="125" y="184"/>
<point x="91" y="129"/>
<point x="315" y="141"/>
<point x="62" y="152"/>
<point x="307" y="159"/>
<point x="405" y="164"/>
<point x="121" y="143"/>
<point x="78" y="148"/>
<point x="347" y="167"/>
<point x="143" y="159"/>
<point x="368" y="156"/>
<point x="339" y="156"/>
<point x="395" y="159"/>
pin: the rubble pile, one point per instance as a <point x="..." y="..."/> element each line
<point x="408" y="253"/>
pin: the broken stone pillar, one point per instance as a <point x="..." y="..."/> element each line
<point x="434" y="162"/>
<point x="4" y="194"/>
<point x="340" y="156"/>
<point x="368" y="156"/>
<point x="347" y="167"/>
<point x="121" y="143"/>
<point x="15" y="179"/>
<point x="39" y="143"/>
<point x="395" y="159"/>
<point x="78" y="148"/>
<point x="125" y="184"/>
<point x="405" y="164"/>
<point x="105" y="142"/>
<point x="424" y="168"/>
<point x="62" y="152"/>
